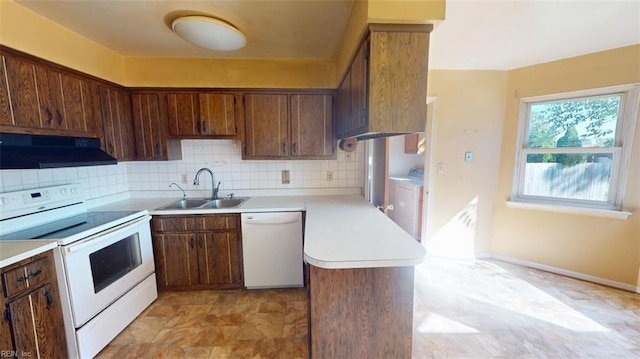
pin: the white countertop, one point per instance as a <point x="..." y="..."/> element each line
<point x="14" y="251"/>
<point x="340" y="231"/>
<point x="349" y="232"/>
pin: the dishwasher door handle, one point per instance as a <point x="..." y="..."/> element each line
<point x="270" y="220"/>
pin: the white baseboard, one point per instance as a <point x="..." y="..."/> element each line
<point x="556" y="270"/>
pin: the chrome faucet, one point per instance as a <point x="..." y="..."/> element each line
<point x="184" y="194"/>
<point x="214" y="188"/>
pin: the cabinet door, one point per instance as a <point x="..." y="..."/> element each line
<point x="360" y="89"/>
<point x="414" y="143"/>
<point x="6" y="118"/>
<point x="398" y="83"/>
<point x="50" y="97"/>
<point x="176" y="259"/>
<point x="147" y="119"/>
<point x="6" y="342"/>
<point x="37" y="323"/>
<point x="312" y="126"/>
<point x="343" y="120"/>
<point x="21" y="82"/>
<point x="77" y="100"/>
<point x="119" y="137"/>
<point x="266" y="126"/>
<point x="217" y="115"/>
<point x="183" y="114"/>
<point x="218" y="259"/>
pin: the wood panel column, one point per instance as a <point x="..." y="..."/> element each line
<point x="361" y="313"/>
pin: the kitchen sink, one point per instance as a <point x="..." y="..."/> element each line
<point x="195" y="203"/>
<point x="225" y="202"/>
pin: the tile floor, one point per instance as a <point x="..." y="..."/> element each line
<point x="463" y="309"/>
<point x="217" y="324"/>
<point x="491" y="309"/>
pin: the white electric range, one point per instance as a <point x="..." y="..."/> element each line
<point x="104" y="260"/>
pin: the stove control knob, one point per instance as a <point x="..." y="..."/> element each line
<point x="3" y="201"/>
<point x="63" y="191"/>
<point x="73" y="190"/>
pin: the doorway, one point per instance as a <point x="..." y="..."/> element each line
<point x="385" y="160"/>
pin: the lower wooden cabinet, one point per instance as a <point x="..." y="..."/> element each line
<point x="197" y="251"/>
<point x="32" y="324"/>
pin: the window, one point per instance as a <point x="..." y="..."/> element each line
<point x="574" y="148"/>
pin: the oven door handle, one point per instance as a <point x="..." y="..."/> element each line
<point x="76" y="246"/>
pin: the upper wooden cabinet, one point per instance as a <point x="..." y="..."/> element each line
<point x="353" y="95"/>
<point x="119" y="139"/>
<point x="288" y="126"/>
<point x="183" y="111"/>
<point x="202" y="115"/>
<point x="20" y="89"/>
<point x="266" y="126"/>
<point x="312" y="126"/>
<point x="385" y="89"/>
<point x="151" y="128"/>
<point x="43" y="99"/>
<point x="218" y="115"/>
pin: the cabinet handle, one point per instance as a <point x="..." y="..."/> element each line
<point x="60" y="118"/>
<point x="29" y="276"/>
<point x="7" y="315"/>
<point x="49" y="297"/>
<point x="49" y="116"/>
<point x="245" y="150"/>
<point x="294" y="147"/>
<point x="284" y="148"/>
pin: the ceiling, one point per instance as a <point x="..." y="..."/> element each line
<point x="477" y="34"/>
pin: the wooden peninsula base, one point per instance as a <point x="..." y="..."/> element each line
<point x="361" y="312"/>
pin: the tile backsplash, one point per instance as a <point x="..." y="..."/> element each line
<point x="223" y="157"/>
<point x="96" y="181"/>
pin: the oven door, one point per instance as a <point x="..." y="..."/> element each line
<point x="103" y="267"/>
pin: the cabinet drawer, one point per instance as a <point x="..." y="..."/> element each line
<point x="192" y="223"/>
<point x="26" y="276"/>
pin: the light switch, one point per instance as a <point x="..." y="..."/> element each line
<point x="440" y="167"/>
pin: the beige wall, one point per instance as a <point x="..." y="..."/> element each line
<point x="601" y="247"/>
<point x="24" y="30"/>
<point x="469" y="112"/>
<point x="183" y="72"/>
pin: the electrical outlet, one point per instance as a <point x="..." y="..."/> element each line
<point x="184" y="179"/>
<point x="347" y="156"/>
<point x="440" y="167"/>
<point x="329" y="176"/>
<point x="285" y="177"/>
<point x="468" y="156"/>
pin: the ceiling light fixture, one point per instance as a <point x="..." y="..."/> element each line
<point x="209" y="33"/>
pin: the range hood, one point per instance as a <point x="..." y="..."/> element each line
<point x="22" y="151"/>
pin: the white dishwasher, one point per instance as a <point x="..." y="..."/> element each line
<point x="272" y="249"/>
